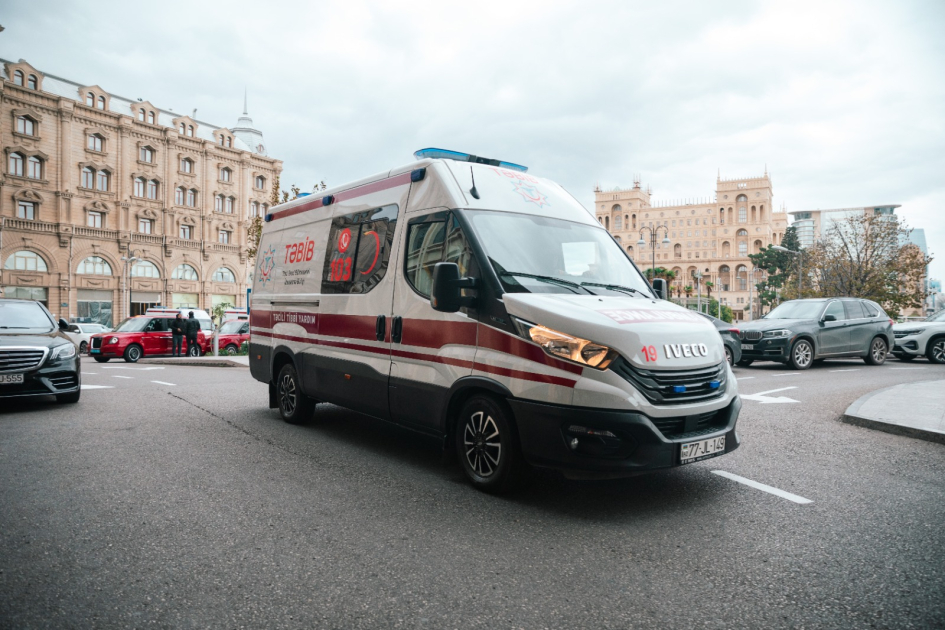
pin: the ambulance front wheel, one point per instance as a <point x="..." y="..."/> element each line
<point x="486" y="445"/>
<point x="294" y="406"/>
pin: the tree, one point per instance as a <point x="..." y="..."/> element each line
<point x="218" y="311"/>
<point x="688" y="290"/>
<point x="254" y="230"/>
<point x="869" y="256"/>
<point x="708" y="289"/>
<point x="781" y="269"/>
<point x="723" y="312"/>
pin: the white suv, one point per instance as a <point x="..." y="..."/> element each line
<point x="914" y="339"/>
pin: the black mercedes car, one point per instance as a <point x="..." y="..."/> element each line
<point x="729" y="334"/>
<point x="36" y="357"/>
<point x="800" y="332"/>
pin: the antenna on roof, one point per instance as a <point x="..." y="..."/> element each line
<point x="473" y="191"/>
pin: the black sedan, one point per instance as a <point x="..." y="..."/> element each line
<point x="729" y="334"/>
<point x="36" y="357"/>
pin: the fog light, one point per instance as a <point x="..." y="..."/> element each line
<point x="714" y="384"/>
<point x="574" y="443"/>
<point x="679" y="389"/>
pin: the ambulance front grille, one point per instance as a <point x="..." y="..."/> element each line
<point x="674" y="387"/>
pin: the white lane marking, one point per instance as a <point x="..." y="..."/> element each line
<point x="95" y="373"/>
<point x="118" y="376"/>
<point x="744" y="378"/>
<point x="84" y="386"/>
<point x="906" y="368"/>
<point x="760" y="396"/>
<point x="760" y="486"/>
<point x="787" y="374"/>
<point x="163" y="383"/>
<point x="850" y="370"/>
<point x="126" y="367"/>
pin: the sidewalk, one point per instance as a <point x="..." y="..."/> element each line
<point x="206" y="361"/>
<point x="912" y="409"/>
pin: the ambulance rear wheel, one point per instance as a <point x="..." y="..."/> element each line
<point x="486" y="444"/>
<point x="294" y="406"/>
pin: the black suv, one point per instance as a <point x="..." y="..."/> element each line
<point x="36" y="357"/>
<point x="800" y="332"/>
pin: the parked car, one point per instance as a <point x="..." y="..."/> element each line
<point x="915" y="339"/>
<point x="800" y="332"/>
<point x="232" y="334"/>
<point x="36" y="357"/>
<point x="81" y="333"/>
<point x="729" y="334"/>
<point x="141" y="336"/>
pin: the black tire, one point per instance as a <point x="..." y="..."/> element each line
<point x="745" y="362"/>
<point x="936" y="350"/>
<point x="491" y="466"/>
<point x="69" y="399"/>
<point x="193" y="351"/>
<point x="231" y="349"/>
<point x="729" y="356"/>
<point x="905" y="357"/>
<point x="802" y="355"/>
<point x="133" y="353"/>
<point x="84" y="347"/>
<point x="102" y="359"/>
<point x="877" y="352"/>
<point x="294" y="406"/>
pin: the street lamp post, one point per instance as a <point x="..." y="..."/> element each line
<point x="698" y="276"/>
<point x="654" y="233"/>
<point x="130" y="258"/>
<point x="800" y="264"/>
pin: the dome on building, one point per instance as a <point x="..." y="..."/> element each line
<point x="245" y="131"/>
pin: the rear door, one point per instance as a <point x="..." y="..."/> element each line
<point x="834" y="337"/>
<point x="860" y="326"/>
<point x="152" y="339"/>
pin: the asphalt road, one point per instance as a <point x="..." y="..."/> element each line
<point x="172" y="497"/>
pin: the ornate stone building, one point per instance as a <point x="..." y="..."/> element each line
<point x="709" y="236"/>
<point x="109" y="205"/>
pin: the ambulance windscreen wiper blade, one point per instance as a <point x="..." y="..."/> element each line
<point x="615" y="287"/>
<point x="548" y="279"/>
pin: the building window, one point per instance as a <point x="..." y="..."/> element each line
<point x="186" y="165"/>
<point x="88" y="178"/>
<point x="224" y="275"/>
<point x="31" y="82"/>
<point x="253" y="209"/>
<point x="25" y="260"/>
<point x="182" y="129"/>
<point x="260" y="182"/>
<point x="18" y="77"/>
<point x="225" y="174"/>
<point x="152" y="189"/>
<point x="146" y="154"/>
<point x="192" y="198"/>
<point x="96" y="143"/>
<point x="90" y="99"/>
<point x="218" y="203"/>
<point x="743" y="248"/>
<point x="151" y="117"/>
<point x="16" y="164"/>
<point x="94" y="266"/>
<point x="25" y="125"/>
<point x="141" y="114"/>
<point x="95" y="219"/>
<point x="229" y="205"/>
<point x="187" y="232"/>
<point x="25" y="210"/>
<point x="139" y="187"/>
<point x="101" y="102"/>
<point x="184" y="272"/>
<point x="190" y="130"/>
<point x="229" y="143"/>
<point x="145" y="226"/>
<point x="34" y="167"/>
<point x="101" y="180"/>
<point x="145" y="269"/>
<point x="179" y="196"/>
<point x="224" y="236"/>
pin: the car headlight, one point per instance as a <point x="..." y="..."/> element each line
<point x="567" y="347"/>
<point x="906" y="333"/>
<point x="777" y="334"/>
<point x="65" y="351"/>
<point x="113" y="340"/>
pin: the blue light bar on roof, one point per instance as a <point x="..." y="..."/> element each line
<point x="444" y="154"/>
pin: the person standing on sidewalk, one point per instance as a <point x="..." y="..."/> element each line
<point x="191" y="326"/>
<point x="177" y="334"/>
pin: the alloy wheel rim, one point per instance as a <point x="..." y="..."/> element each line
<point x="729" y="357"/>
<point x="802" y="354"/>
<point x="482" y="455"/>
<point x="287" y="388"/>
<point x="879" y="351"/>
<point x="938" y="351"/>
<point x="133" y="354"/>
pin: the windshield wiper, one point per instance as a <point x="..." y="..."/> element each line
<point x="548" y="279"/>
<point x="615" y="287"/>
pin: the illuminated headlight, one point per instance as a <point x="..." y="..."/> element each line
<point x="567" y="347"/>
<point x="777" y="334"/>
<point x="113" y="340"/>
<point x="65" y="351"/>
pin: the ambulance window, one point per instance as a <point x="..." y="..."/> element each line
<point x="359" y="247"/>
<point x="430" y="243"/>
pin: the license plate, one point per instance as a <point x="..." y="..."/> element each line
<point x="96" y="350"/>
<point x="704" y="449"/>
<point x="748" y="346"/>
<point x="11" y="379"/>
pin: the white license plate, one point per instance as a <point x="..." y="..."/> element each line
<point x="704" y="449"/>
<point x="11" y="379"/>
<point x="748" y="346"/>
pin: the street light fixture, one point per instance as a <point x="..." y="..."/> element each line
<point x="800" y="264"/>
<point x="654" y="233"/>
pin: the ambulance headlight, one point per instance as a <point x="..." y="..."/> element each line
<point x="567" y="347"/>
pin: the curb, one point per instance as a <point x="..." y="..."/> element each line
<point x="215" y="362"/>
<point x="850" y="417"/>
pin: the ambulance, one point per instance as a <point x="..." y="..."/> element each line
<point x="466" y="299"/>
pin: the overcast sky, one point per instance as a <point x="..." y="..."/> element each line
<point x="843" y="101"/>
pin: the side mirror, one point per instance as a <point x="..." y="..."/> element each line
<point x="830" y="318"/>
<point x="63" y="324"/>
<point x="446" y="295"/>
<point x="659" y="286"/>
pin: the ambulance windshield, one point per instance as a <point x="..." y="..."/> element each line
<point x="541" y="255"/>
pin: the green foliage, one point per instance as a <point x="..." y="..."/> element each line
<point x="218" y="311"/>
<point x="726" y="313"/>
<point x="781" y="269"/>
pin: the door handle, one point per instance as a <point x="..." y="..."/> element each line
<point x="397" y="329"/>
<point x="380" y="328"/>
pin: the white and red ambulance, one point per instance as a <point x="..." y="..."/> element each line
<point x="461" y="297"/>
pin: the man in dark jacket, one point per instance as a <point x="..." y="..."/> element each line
<point x="177" y="334"/>
<point x="191" y="326"/>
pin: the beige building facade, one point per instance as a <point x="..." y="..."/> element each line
<point x="711" y="236"/>
<point x="109" y="205"/>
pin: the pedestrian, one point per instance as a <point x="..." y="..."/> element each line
<point x="177" y="334"/>
<point x="191" y="326"/>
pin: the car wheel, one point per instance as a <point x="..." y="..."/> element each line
<point x="231" y="349"/>
<point x="729" y="357"/>
<point x="84" y="347"/>
<point x="746" y="362"/>
<point x="802" y="355"/>
<point x="294" y="406"/>
<point x="877" y="353"/>
<point x="194" y="351"/>
<point x="102" y="359"/>
<point x="905" y="357"/>
<point x="132" y="353"/>
<point x="936" y="350"/>
<point x="486" y="444"/>
<point x="69" y="399"/>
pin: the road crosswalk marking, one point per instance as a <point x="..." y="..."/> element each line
<point x="760" y="486"/>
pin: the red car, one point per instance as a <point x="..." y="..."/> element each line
<point x="232" y="335"/>
<point x="144" y="336"/>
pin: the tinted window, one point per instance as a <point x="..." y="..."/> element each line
<point x="835" y="309"/>
<point x="430" y="243"/>
<point x="358" y="251"/>
<point x="22" y="317"/>
<point x="871" y="309"/>
<point x="854" y="309"/>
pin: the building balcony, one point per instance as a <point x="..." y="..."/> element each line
<point x="28" y="225"/>
<point x="82" y="230"/>
<point x="150" y="239"/>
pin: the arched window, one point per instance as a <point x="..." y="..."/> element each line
<point x="218" y="203"/>
<point x="179" y="196"/>
<point x="742" y="232"/>
<point x="101" y="180"/>
<point x="260" y="181"/>
<point x="192" y="198"/>
<point x="139" y="187"/>
<point x="145" y="269"/>
<point x="96" y="142"/>
<point x="101" y="102"/>
<point x="25" y="125"/>
<point x="607" y="222"/>
<point x="630" y="250"/>
<point x="225" y="174"/>
<point x="221" y="141"/>
<point x="185" y="272"/>
<point x="229" y="205"/>
<point x="182" y="128"/>
<point x="186" y="165"/>
<point x="677" y="250"/>
<point x="151" y="118"/>
<point x="224" y="275"/>
<point x="229" y="142"/>
<point x="31" y="82"/>
<point x="90" y="99"/>
<point x="741" y="198"/>
<point x="94" y="266"/>
<point x="88" y="177"/>
<point x="741" y="272"/>
<point x="34" y="167"/>
<point x="141" y="114"/>
<point x="758" y="247"/>
<point x="18" y="77"/>
<point x="16" y="165"/>
<point x="25" y="260"/>
<point x="190" y="130"/>
<point x="152" y="189"/>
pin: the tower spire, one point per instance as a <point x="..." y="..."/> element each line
<point x="245" y="101"/>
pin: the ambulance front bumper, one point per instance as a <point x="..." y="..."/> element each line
<point x="597" y="443"/>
